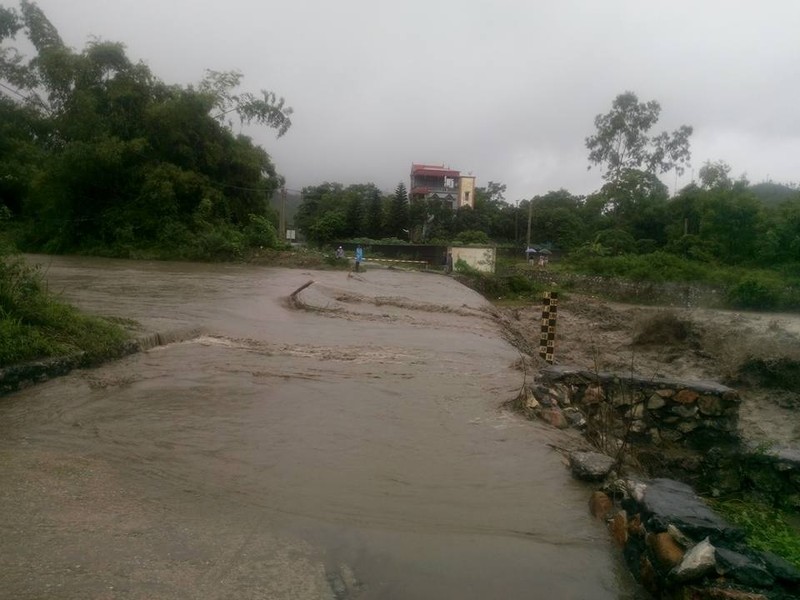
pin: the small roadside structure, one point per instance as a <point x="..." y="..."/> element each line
<point x="480" y="258"/>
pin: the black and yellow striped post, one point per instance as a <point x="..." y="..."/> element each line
<point x="547" y="343"/>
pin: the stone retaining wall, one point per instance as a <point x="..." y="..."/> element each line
<point x="678" y="548"/>
<point x="686" y="430"/>
<point x="693" y="414"/>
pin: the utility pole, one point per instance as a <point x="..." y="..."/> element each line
<point x="530" y="216"/>
<point x="282" y="224"/>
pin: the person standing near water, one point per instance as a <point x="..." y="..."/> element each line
<point x="359" y="257"/>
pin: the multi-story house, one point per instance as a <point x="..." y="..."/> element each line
<point x="437" y="182"/>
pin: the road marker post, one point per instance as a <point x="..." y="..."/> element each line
<point x="547" y="340"/>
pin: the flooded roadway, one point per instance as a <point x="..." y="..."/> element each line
<point x="354" y="449"/>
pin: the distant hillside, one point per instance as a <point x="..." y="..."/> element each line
<point x="774" y="193"/>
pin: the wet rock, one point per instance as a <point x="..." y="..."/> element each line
<point x="665" y="550"/>
<point x="780" y="568"/>
<point x="593" y="395"/>
<point x="636" y="490"/>
<point x="544" y="395"/>
<point x="636" y="412"/>
<point x="710" y="405"/>
<point x="679" y="536"/>
<point x="670" y="435"/>
<point x="531" y="403"/>
<point x="635" y="527"/>
<point x="600" y="505"/>
<point x="743" y="569"/>
<point x="590" y="466"/>
<point x="686" y="396"/>
<point x="688" y="426"/>
<point x="622" y="398"/>
<point x="685" y="412"/>
<point x="673" y="502"/>
<point x="553" y="416"/>
<point x="655" y="436"/>
<point x="648" y="575"/>
<point x="698" y="561"/>
<point x="619" y="528"/>
<point x="655" y="402"/>
<point x="575" y="417"/>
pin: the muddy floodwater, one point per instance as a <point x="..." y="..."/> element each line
<point x="350" y="448"/>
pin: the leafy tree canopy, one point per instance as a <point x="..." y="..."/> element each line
<point x="622" y="140"/>
<point x="99" y="153"/>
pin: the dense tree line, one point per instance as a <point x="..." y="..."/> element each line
<point x="97" y="154"/>
<point x="717" y="220"/>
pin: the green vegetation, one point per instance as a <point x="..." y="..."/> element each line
<point x="743" y="239"/>
<point x="498" y="287"/>
<point x="33" y="325"/>
<point x="98" y="156"/>
<point x="767" y="528"/>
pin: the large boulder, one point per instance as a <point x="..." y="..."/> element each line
<point x="698" y="561"/>
<point x="781" y="569"/>
<point x="742" y="568"/>
<point x="670" y="502"/>
<point x="590" y="466"/>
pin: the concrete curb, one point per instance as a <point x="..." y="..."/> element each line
<point x="17" y="377"/>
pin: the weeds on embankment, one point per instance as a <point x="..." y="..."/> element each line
<point x="34" y="325"/>
<point x="767" y="528"/>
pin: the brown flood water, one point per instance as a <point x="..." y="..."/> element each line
<point x="354" y="451"/>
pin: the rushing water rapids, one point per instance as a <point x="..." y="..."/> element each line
<point x="350" y="448"/>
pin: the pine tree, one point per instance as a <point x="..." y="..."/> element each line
<point x="397" y="221"/>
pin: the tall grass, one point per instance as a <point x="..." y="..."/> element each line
<point x="767" y="528"/>
<point x="745" y="287"/>
<point x="34" y="325"/>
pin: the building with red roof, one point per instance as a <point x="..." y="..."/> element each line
<point x="438" y="182"/>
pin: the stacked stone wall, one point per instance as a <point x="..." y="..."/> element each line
<point x="686" y="430"/>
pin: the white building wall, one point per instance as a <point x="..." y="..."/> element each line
<point x="480" y="258"/>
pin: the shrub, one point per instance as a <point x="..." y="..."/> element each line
<point x="472" y="237"/>
<point x="754" y="292"/>
<point x="33" y="325"/>
<point x="259" y="232"/>
<point x="520" y="284"/>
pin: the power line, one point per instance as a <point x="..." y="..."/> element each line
<point x="13" y="91"/>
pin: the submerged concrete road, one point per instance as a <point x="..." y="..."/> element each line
<point x="351" y="447"/>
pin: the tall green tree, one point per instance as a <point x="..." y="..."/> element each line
<point x="636" y="201"/>
<point x="556" y="220"/>
<point x="117" y="156"/>
<point x="780" y="243"/>
<point x="374" y="217"/>
<point x="354" y="215"/>
<point x="622" y="140"/>
<point x="397" y="222"/>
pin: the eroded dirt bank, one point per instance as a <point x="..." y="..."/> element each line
<point x="756" y="353"/>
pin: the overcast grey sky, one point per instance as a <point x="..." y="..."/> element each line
<point x="505" y="89"/>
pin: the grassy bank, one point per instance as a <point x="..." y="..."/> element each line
<point x="767" y="528"/>
<point x="35" y="325"/>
